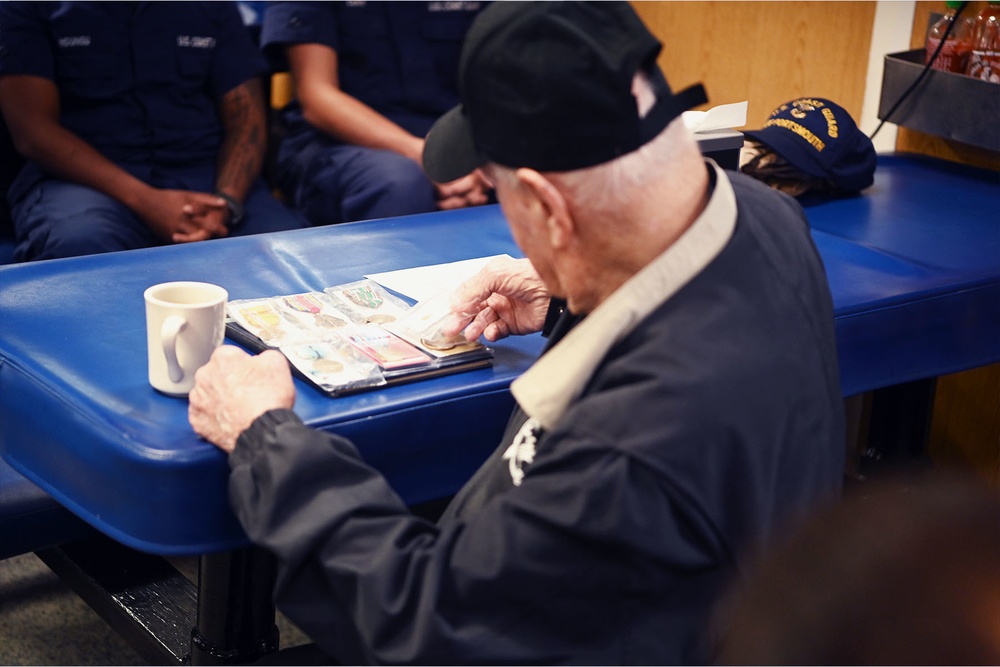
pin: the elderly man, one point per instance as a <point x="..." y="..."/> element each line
<point x="686" y="408"/>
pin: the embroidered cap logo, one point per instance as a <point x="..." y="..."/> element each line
<point x="800" y="109"/>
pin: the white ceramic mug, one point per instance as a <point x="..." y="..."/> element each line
<point x="185" y="322"/>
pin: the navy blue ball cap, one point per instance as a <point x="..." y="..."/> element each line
<point x="820" y="138"/>
<point x="548" y="85"/>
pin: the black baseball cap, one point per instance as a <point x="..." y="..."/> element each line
<point x="820" y="138"/>
<point x="548" y="85"/>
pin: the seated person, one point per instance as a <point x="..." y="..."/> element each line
<point x="143" y="124"/>
<point x="370" y="79"/>
<point x="687" y="406"/>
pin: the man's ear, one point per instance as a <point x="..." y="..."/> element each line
<point x="554" y="206"/>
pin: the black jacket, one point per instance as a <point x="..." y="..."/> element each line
<point x="718" y="419"/>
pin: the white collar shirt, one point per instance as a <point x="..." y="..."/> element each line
<point x="553" y="382"/>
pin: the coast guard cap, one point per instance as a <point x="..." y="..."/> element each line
<point x="820" y="138"/>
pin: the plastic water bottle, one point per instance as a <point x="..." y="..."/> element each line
<point x="954" y="54"/>
<point x="984" y="60"/>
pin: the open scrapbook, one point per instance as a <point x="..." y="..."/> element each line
<point x="355" y="337"/>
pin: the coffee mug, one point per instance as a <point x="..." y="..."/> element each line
<point x="185" y="322"/>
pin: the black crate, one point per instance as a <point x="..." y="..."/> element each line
<point x="948" y="105"/>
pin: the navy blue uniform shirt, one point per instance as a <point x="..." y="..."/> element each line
<point x="138" y="81"/>
<point x="400" y="58"/>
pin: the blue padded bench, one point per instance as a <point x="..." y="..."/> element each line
<point x="30" y="519"/>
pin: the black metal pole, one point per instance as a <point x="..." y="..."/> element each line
<point x="235" y="609"/>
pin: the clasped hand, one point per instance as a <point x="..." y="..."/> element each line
<point x="470" y="190"/>
<point x="184" y="216"/>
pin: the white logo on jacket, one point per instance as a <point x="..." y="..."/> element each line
<point x="522" y="450"/>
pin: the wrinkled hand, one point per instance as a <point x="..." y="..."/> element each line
<point x="233" y="389"/>
<point x="183" y="216"/>
<point x="470" y="190"/>
<point x="507" y="297"/>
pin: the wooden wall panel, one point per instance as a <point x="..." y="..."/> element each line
<point x="765" y="52"/>
<point x="965" y="426"/>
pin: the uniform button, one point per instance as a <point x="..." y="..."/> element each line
<point x="295" y="22"/>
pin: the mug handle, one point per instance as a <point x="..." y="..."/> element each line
<point x="172" y="326"/>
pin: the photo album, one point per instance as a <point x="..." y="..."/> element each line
<point x="355" y="337"/>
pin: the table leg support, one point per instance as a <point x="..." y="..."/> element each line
<point x="899" y="427"/>
<point x="235" y="609"/>
<point x="143" y="597"/>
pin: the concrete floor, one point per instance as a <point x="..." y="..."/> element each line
<point x="43" y="622"/>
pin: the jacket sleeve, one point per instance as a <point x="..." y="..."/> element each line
<point x="517" y="582"/>
<point x="237" y="58"/>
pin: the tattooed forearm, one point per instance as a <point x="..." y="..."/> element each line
<point x="244" y="142"/>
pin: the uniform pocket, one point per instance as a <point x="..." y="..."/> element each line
<point x="445" y="29"/>
<point x="194" y="63"/>
<point x="92" y="76"/>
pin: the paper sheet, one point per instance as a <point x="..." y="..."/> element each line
<point x="722" y="117"/>
<point x="423" y="282"/>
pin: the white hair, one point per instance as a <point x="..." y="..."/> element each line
<point x="607" y="188"/>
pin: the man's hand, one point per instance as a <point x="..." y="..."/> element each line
<point x="505" y="298"/>
<point x="233" y="389"/>
<point x="183" y="216"/>
<point x="470" y="190"/>
<point x="209" y="213"/>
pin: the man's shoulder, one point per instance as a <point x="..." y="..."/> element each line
<point x="755" y="199"/>
<point x="773" y="225"/>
